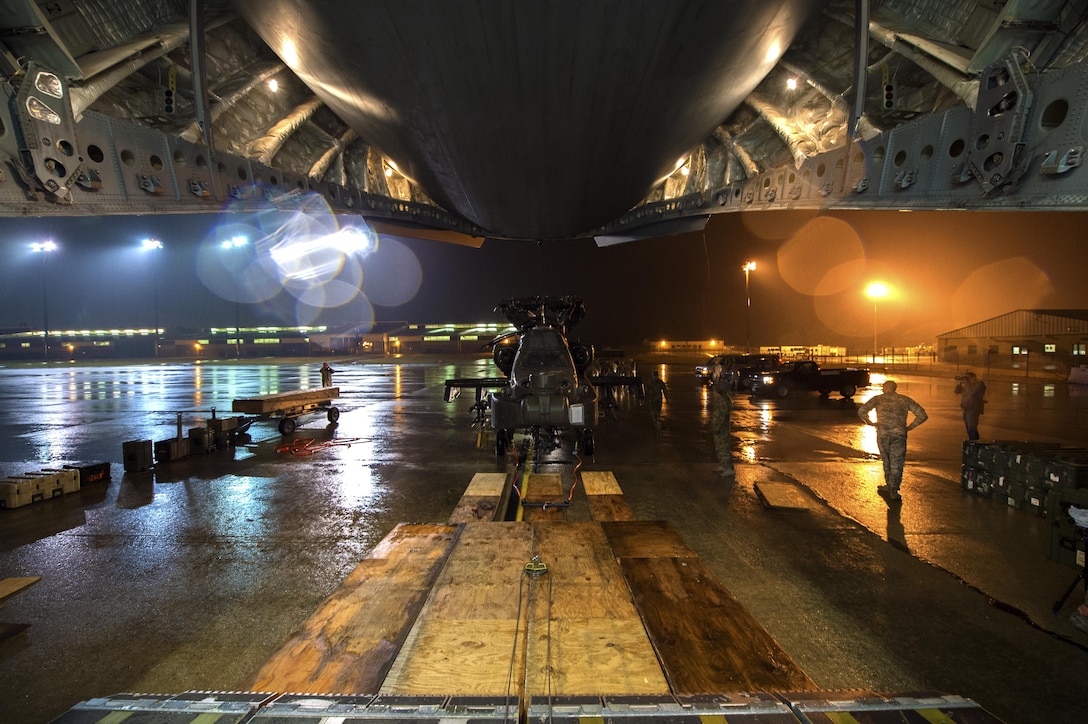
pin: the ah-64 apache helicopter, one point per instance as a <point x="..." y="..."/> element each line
<point x="546" y="388"/>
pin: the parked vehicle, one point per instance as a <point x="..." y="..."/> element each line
<point x="741" y="367"/>
<point x="805" y="376"/>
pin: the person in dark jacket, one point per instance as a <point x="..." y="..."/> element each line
<point x="972" y="392"/>
<point x="326" y="375"/>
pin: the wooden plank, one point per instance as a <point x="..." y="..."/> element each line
<point x="782" y="495"/>
<point x="487" y="484"/>
<point x="540" y="489"/>
<point x="706" y="641"/>
<point x="609" y="508"/>
<point x="473" y="509"/>
<point x="10" y="586"/>
<point x="280" y="401"/>
<point x="646" y="539"/>
<point x="605" y="498"/>
<point x="349" y="643"/>
<point x="466" y="635"/>
<point x="481" y="499"/>
<point x="600" y="482"/>
<point x="585" y="635"/>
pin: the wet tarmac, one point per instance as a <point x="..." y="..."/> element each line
<point x="190" y="575"/>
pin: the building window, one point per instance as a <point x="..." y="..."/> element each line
<point x="266" y="340"/>
<point x="1017" y="349"/>
<point x="1078" y="349"/>
<point x="972" y="350"/>
<point x="1050" y="348"/>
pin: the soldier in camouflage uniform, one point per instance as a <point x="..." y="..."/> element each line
<point x="891" y="433"/>
<point x="722" y="408"/>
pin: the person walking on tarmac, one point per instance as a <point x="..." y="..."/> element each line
<point x="326" y="375"/>
<point x="972" y="392"/>
<point x="892" y="410"/>
<point x="656" y="389"/>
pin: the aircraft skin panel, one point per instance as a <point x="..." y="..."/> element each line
<point x="131" y="169"/>
<point x="537" y="92"/>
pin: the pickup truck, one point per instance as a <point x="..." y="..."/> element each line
<point x="795" y="378"/>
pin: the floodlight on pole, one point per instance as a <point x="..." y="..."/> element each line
<point x="236" y="242"/>
<point x="748" y="268"/>
<point x="876" y="291"/>
<point x="45" y="248"/>
<point x="154" y="245"/>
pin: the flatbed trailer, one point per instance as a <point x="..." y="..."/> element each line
<point x="288" y="407"/>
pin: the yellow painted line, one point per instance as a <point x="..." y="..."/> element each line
<point x="713" y="718"/>
<point x="207" y="718"/>
<point x="115" y="716"/>
<point x="841" y="717"/>
<point x="523" y="485"/>
<point x="591" y="719"/>
<point x="935" y="716"/>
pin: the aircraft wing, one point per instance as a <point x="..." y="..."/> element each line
<point x="453" y="387"/>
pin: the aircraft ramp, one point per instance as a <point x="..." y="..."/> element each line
<point x="535" y="619"/>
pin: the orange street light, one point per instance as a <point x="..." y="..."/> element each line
<point x="748" y="268"/>
<point x="876" y="291"/>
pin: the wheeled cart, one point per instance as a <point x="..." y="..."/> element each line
<point x="288" y="407"/>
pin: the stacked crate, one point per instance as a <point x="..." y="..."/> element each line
<point x="19" y="490"/>
<point x="1042" y="478"/>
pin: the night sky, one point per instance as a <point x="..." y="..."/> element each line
<point x="945" y="270"/>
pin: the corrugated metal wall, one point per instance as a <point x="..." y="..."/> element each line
<point x="1023" y="323"/>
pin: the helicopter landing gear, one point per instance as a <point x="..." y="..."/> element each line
<point x="587" y="442"/>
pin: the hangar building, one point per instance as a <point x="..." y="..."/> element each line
<point x="1027" y="339"/>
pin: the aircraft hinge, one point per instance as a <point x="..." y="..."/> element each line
<point x="906" y="179"/>
<point x="861" y="185"/>
<point x="199" y="189"/>
<point x="237" y="192"/>
<point x="89" y="180"/>
<point x="1056" y="162"/>
<point x="961" y="174"/>
<point x="149" y="184"/>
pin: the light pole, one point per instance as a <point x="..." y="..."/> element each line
<point x="236" y="242"/>
<point x="154" y="245"/>
<point x="749" y="267"/>
<point x="45" y="248"/>
<point x="876" y="291"/>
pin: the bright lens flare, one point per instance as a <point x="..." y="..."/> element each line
<point x="876" y="290"/>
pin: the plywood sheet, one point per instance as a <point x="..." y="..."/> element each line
<point x="585" y="634"/>
<point x="609" y="508"/>
<point x="349" y="643"/>
<point x="783" y="495"/>
<point x="464" y="639"/>
<point x="481" y="499"/>
<point x="706" y="641"/>
<point x="264" y="404"/>
<point x="10" y="586"/>
<point x="600" y="482"/>
<point x="475" y="508"/>
<point x="645" y="539"/>
<point x="487" y="484"/>
<point x="543" y="488"/>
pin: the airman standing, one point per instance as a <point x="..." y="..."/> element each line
<point x="891" y="425"/>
